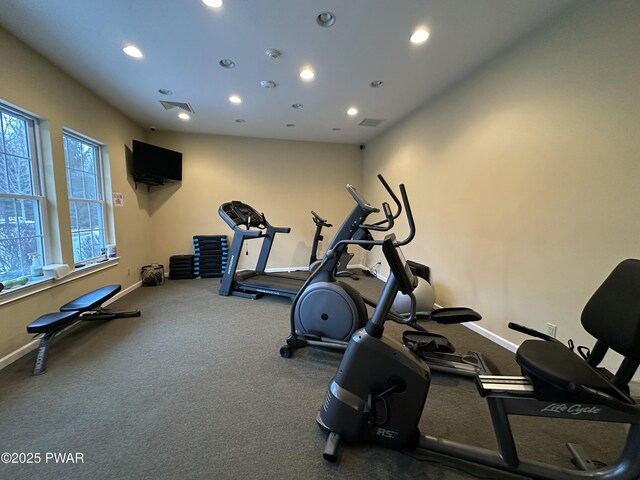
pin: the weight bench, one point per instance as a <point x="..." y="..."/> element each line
<point x="86" y="307"/>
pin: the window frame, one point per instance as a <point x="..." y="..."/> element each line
<point x="101" y="190"/>
<point x="37" y="176"/>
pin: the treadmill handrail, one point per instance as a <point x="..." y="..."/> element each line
<point x="278" y="229"/>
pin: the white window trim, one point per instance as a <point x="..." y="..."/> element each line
<point x="35" y="146"/>
<point x="108" y="235"/>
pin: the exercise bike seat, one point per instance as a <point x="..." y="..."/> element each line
<point x="612" y="316"/>
<point x="559" y="374"/>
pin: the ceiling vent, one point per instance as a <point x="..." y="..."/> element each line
<point x="370" y="122"/>
<point x="181" y="105"/>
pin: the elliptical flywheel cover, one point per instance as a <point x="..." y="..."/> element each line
<point x="327" y="310"/>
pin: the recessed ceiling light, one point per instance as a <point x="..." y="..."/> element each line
<point x="307" y="74"/>
<point x="235" y="99"/>
<point x="164" y="91"/>
<point x="377" y="83"/>
<point x="291" y="124"/>
<point x="240" y="120"/>
<point x="183" y="116"/>
<point x="213" y="3"/>
<point x="227" y="63"/>
<point x="132" y="51"/>
<point x="272" y="53"/>
<point x="353" y="111"/>
<point x="297" y="106"/>
<point x="325" y="19"/>
<point x="421" y="35"/>
<point x="268" y="84"/>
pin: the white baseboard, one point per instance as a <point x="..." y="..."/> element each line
<point x="19" y="353"/>
<point x="33" y="344"/>
<point x="512" y="347"/>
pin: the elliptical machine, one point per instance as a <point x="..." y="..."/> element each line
<point x="380" y="388"/>
<point x="327" y="312"/>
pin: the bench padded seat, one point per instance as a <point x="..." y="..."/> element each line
<point x="50" y="322"/>
<point x="91" y="300"/>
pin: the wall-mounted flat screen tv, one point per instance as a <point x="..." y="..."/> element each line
<point x="152" y="164"/>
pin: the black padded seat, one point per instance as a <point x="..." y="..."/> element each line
<point x="552" y="363"/>
<point x="50" y="322"/>
<point x="91" y="300"/>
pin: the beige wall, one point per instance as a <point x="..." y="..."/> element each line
<point x="524" y="177"/>
<point x="30" y="82"/>
<point x="285" y="180"/>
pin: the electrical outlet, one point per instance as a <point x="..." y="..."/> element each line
<point x="551" y="330"/>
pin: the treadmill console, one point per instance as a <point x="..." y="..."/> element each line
<point x="407" y="282"/>
<point x="236" y="213"/>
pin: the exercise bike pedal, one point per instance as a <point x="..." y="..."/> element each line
<point x="419" y="342"/>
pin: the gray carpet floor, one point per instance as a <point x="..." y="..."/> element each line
<point x="195" y="389"/>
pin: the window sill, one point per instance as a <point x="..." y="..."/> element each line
<point x="36" y="285"/>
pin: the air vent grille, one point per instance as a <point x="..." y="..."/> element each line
<point x="370" y="122"/>
<point x="181" y="105"/>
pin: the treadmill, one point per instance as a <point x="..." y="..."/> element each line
<point x="247" y="223"/>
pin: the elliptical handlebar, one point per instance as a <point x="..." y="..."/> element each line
<point x="389" y="219"/>
<point x="393" y="196"/>
<point x="409" y="215"/>
<point x="410" y="221"/>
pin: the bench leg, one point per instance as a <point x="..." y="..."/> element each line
<point x="130" y="313"/>
<point x="43" y="351"/>
<point x="106" y="314"/>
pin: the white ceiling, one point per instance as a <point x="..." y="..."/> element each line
<point x="183" y="41"/>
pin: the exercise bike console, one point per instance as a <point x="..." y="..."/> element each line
<point x="407" y="282"/>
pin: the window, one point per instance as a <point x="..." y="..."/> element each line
<point x="86" y="197"/>
<point x="21" y="199"/>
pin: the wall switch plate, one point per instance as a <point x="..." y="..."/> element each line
<point x="551" y="330"/>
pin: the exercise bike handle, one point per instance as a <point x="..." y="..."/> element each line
<point x="531" y="332"/>
<point x="318" y="220"/>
